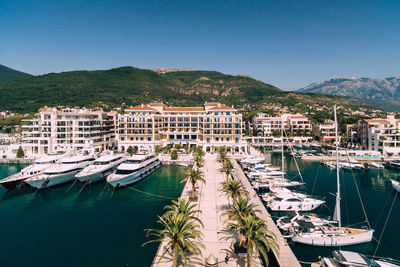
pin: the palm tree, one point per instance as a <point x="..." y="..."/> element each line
<point x="241" y="208"/>
<point x="193" y="176"/>
<point x="222" y="157"/>
<point x="198" y="161"/>
<point x="180" y="234"/>
<point x="183" y="206"/>
<point x="233" y="189"/>
<point x="252" y="233"/>
<point x="199" y="151"/>
<point x="227" y="168"/>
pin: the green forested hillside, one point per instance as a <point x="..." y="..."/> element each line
<point x="133" y="86"/>
<point x="7" y="74"/>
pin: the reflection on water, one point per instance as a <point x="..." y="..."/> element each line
<point x="90" y="227"/>
<point x="376" y="192"/>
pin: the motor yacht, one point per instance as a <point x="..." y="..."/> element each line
<point x="343" y="258"/>
<point x="101" y="168"/>
<point x="36" y="168"/>
<point x="352" y="164"/>
<point x="393" y="164"/>
<point x="62" y="172"/>
<point x="282" y="199"/>
<point x="396" y="185"/>
<point x="294" y="219"/>
<point x="133" y="170"/>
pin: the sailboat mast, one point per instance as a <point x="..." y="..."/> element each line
<point x="283" y="156"/>
<point x="337" y="211"/>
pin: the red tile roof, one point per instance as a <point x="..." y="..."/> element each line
<point x="187" y="109"/>
<point x="140" y="108"/>
<point x="222" y="107"/>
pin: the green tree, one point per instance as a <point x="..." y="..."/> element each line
<point x="241" y="208"/>
<point x="130" y="150"/>
<point x="181" y="234"/>
<point x="198" y="161"/>
<point x="157" y="149"/>
<point x="193" y="176"/>
<point x="233" y="189"/>
<point x="227" y="169"/>
<point x="183" y="206"/>
<point x="174" y="154"/>
<point x="222" y="156"/>
<point x="252" y="233"/>
<point x="20" y="153"/>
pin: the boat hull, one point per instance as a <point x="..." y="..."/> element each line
<point x="135" y="177"/>
<point x="334" y="241"/>
<point x="293" y="206"/>
<point x="48" y="181"/>
<point x="96" y="177"/>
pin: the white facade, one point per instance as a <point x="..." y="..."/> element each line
<point x="213" y="125"/>
<point x="55" y="129"/>
<point x="295" y="123"/>
<point x="382" y="135"/>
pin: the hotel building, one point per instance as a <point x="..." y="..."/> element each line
<point x="55" y="129"/>
<point x="381" y="135"/>
<point x="294" y="123"/>
<point x="211" y="126"/>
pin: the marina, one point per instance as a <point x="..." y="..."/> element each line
<point x="89" y="227"/>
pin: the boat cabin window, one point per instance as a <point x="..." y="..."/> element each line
<point x="294" y="200"/>
<point x="44" y="162"/>
<point x="101" y="162"/>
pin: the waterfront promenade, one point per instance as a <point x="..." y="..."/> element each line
<point x="212" y="203"/>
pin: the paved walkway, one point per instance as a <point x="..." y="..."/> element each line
<point x="212" y="204"/>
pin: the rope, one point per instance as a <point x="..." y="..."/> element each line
<point x="347" y="204"/>
<point x="384" y="227"/>
<point x="291" y="150"/>
<point x="147" y="193"/>
<point x="355" y="224"/>
<point x="382" y="210"/>
<point x="358" y="192"/>
<point x="308" y="262"/>
<point x="316" y="176"/>
<point x="71" y="185"/>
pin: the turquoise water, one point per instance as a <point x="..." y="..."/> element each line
<point x="376" y="192"/>
<point x="94" y="227"/>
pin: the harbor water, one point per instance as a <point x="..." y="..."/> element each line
<point x="67" y="226"/>
<point x="376" y="192"/>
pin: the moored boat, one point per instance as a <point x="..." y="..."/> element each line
<point x="133" y="170"/>
<point x="36" y="168"/>
<point x="343" y="258"/>
<point x="101" y="168"/>
<point x="62" y="172"/>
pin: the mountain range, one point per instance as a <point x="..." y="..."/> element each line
<point x="132" y="86"/>
<point x="7" y="74"/>
<point x="381" y="93"/>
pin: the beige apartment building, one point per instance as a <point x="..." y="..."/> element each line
<point x="211" y="126"/>
<point x="54" y="129"/>
<point x="293" y="123"/>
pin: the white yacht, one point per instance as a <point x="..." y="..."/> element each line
<point x="133" y="170"/>
<point x="101" y="168"/>
<point x="262" y="184"/>
<point x="269" y="174"/>
<point x="352" y="164"/>
<point x="36" y="168"/>
<point x="396" y="185"/>
<point x="343" y="258"/>
<point x="252" y="160"/>
<point x="282" y="199"/>
<point x="294" y="219"/>
<point x="62" y="172"/>
<point x="329" y="235"/>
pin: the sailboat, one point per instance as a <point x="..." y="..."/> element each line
<point x="329" y="235"/>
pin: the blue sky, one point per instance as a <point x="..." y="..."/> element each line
<point x="289" y="44"/>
